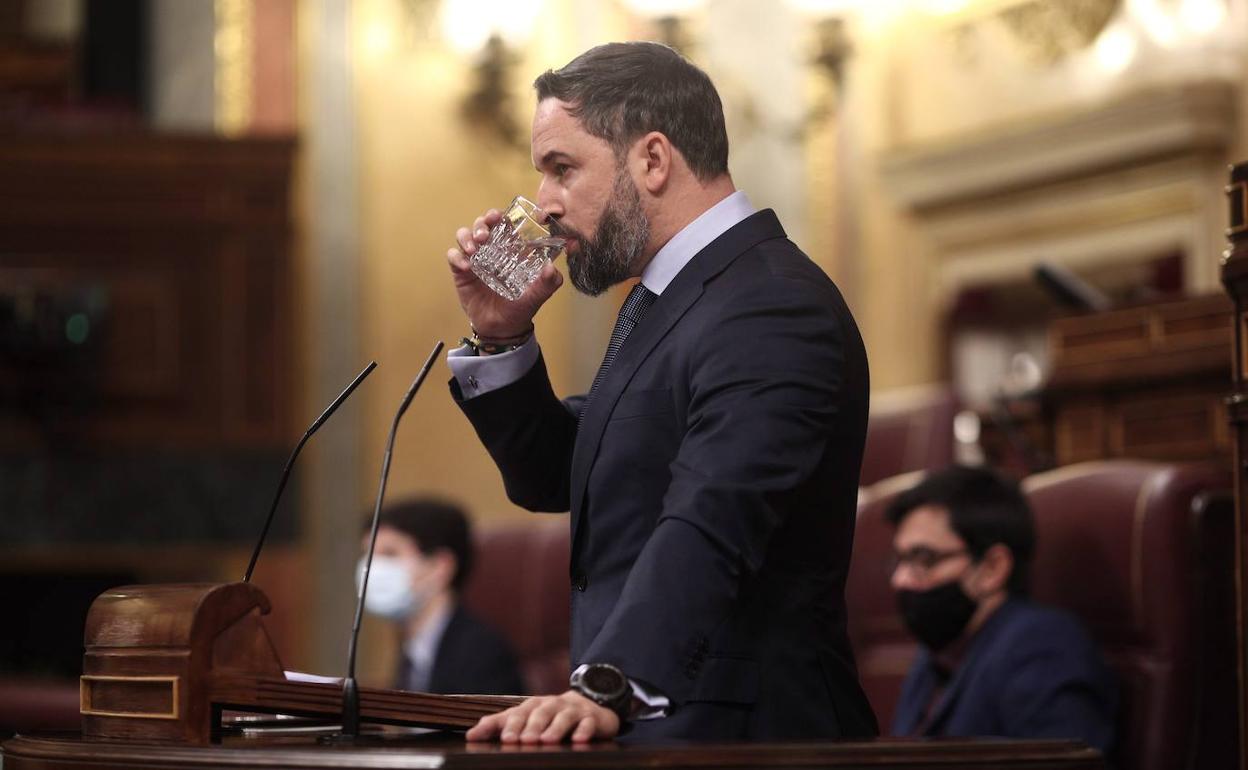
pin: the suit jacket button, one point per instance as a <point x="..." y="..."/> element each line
<point x="579" y="581"/>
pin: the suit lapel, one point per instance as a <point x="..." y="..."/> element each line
<point x="915" y="693"/>
<point x="948" y="697"/>
<point x="445" y="656"/>
<point x="973" y="659"/>
<point x="672" y="304"/>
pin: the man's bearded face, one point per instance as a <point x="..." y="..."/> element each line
<point x="619" y="239"/>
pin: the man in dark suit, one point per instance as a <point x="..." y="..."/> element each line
<point x="991" y="662"/>
<point x="424" y="554"/>
<point x="712" y="471"/>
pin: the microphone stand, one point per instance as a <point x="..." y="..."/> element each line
<point x="281" y="485"/>
<point x="350" y="731"/>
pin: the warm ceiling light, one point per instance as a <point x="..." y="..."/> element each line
<point x="1115" y="49"/>
<point x="661" y="8"/>
<point x="1202" y="16"/>
<point x="824" y="7"/>
<point x="467" y="24"/>
<point x="1155" y="21"/>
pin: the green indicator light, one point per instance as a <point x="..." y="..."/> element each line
<point x="77" y="328"/>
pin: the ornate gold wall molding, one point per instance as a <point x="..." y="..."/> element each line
<point x="233" y="45"/>
<point x="1044" y="31"/>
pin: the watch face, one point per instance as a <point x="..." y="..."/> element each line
<point x="603" y="680"/>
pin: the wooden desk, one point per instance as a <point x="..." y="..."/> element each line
<point x="444" y="750"/>
<point x="1146" y="381"/>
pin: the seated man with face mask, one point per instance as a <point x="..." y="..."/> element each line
<point x="991" y="662"/>
<point x="424" y="554"/>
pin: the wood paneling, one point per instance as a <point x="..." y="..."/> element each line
<point x="187" y="239"/>
<point x="1147" y="381"/>
<point x="1235" y="280"/>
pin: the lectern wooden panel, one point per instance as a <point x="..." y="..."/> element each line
<point x="163" y="662"/>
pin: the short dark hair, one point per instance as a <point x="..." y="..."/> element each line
<point x="620" y="91"/>
<point x="985" y="508"/>
<point x="434" y="524"/>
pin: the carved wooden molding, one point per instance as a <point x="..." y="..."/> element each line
<point x="1181" y="120"/>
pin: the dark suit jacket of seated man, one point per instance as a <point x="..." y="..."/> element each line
<point x="712" y="472"/>
<point x="992" y="663"/>
<point x="424" y="554"/>
<point x="470" y="658"/>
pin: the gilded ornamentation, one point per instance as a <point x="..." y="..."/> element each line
<point x="233" y="45"/>
<point x="1047" y="31"/>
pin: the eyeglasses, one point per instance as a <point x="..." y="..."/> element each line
<point x="922" y="560"/>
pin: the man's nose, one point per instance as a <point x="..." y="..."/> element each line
<point x="902" y="578"/>
<point x="548" y="202"/>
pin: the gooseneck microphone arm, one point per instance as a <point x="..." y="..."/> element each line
<point x="281" y="485"/>
<point x="350" y="690"/>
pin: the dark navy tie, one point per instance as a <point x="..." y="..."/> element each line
<point x="635" y="306"/>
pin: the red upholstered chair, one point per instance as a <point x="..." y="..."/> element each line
<point x="1142" y="553"/>
<point x="882" y="646"/>
<point x="30" y="704"/>
<point x="909" y="429"/>
<point x="520" y="584"/>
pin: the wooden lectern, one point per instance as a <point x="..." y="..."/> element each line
<point x="163" y="662"/>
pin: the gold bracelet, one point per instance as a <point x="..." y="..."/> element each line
<point x="492" y="345"/>
<point x="519" y="339"/>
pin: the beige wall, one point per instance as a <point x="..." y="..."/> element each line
<point x="424" y="171"/>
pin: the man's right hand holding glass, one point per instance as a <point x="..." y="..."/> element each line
<point x="493" y="317"/>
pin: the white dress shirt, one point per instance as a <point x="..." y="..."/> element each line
<point x="422" y="649"/>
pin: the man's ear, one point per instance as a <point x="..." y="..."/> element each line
<point x="995" y="568"/>
<point x="652" y="159"/>
<point x="443" y="565"/>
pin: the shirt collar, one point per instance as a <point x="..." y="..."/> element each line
<point x="695" y="236"/>
<point x="423" y="646"/>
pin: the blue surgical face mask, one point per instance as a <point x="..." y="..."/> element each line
<point x="391" y="594"/>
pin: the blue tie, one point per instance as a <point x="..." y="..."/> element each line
<point x="635" y="306"/>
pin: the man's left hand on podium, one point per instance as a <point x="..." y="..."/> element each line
<point x="549" y="719"/>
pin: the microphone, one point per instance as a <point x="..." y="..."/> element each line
<point x="281" y="485"/>
<point x="1069" y="289"/>
<point x="350" y="689"/>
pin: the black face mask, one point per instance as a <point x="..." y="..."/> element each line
<point x="938" y="615"/>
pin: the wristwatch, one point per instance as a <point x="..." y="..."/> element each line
<point x="605" y="685"/>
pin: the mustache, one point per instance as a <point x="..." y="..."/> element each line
<point x="557" y="228"/>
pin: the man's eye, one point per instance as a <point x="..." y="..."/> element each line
<point x="920" y="557"/>
<point x="561" y="169"/>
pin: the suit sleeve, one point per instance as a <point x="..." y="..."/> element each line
<point x="497" y="671"/>
<point x="1057" y="687"/>
<point x="530" y="435"/>
<point x="766" y="389"/>
<point x="474" y="658"/>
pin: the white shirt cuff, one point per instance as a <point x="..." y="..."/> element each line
<point x="478" y="375"/>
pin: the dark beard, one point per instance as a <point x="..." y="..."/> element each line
<point x="618" y="242"/>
